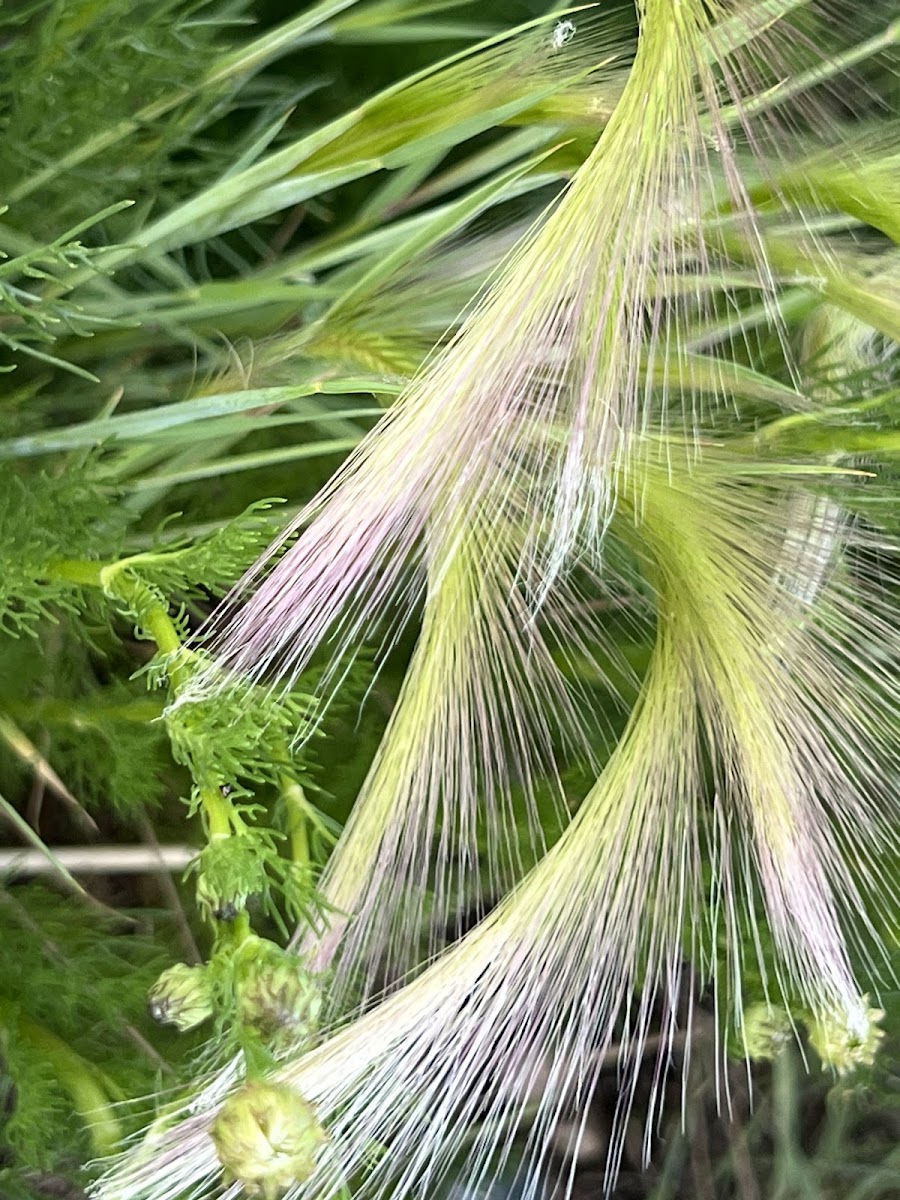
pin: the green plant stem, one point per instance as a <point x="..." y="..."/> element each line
<point x="794" y="1177"/>
<point x="297" y="819"/>
<point x="240" y="928"/>
<point x="816" y="75"/>
<point x="795" y="261"/>
<point x="850" y="193"/>
<point x="91" y="1099"/>
<point x="155" y="619"/>
<point x="828" y="430"/>
<point x="157" y="625"/>
<point x="16" y="819"/>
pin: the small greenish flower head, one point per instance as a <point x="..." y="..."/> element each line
<point x="765" y="1031"/>
<point x="227" y="870"/>
<point x="182" y="997"/>
<point x="277" y="994"/>
<point x="845" y="1041"/>
<point x="267" y="1138"/>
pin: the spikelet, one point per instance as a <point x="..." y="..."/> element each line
<point x="470" y="740"/>
<point x="760" y="625"/>
<point x="481" y="692"/>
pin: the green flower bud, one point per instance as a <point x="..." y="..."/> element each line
<point x="845" y="1041"/>
<point x="220" y="899"/>
<point x="229" y="871"/>
<point x="277" y="995"/>
<point x="764" y="1030"/>
<point x="267" y="1137"/>
<point x="182" y="996"/>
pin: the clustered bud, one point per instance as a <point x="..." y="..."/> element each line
<point x="182" y="996"/>
<point x="277" y="995"/>
<point x="267" y="1138"/>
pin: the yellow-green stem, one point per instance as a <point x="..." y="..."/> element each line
<point x="298" y="833"/>
<point x="158" y="626"/>
<point x="240" y="928"/>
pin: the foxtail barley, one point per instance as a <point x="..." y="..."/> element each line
<point x="747" y="808"/>
<point x="754" y="644"/>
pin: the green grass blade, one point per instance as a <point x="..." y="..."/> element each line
<point x="141" y="425"/>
